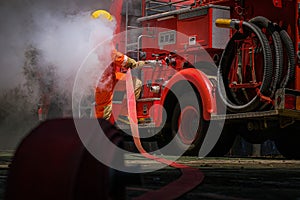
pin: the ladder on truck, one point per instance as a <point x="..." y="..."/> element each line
<point x="153" y="7"/>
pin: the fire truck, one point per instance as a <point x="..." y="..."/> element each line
<point x="213" y="61"/>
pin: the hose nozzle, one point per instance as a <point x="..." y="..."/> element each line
<point x="227" y="23"/>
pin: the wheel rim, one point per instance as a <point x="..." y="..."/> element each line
<point x="188" y="124"/>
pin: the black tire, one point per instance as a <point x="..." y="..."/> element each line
<point x="288" y="141"/>
<point x="254" y="135"/>
<point x="193" y="130"/>
<point x="276" y="48"/>
<point x="231" y="99"/>
<point x="224" y="143"/>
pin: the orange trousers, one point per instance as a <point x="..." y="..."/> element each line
<point x="104" y="94"/>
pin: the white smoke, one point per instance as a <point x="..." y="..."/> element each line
<point x="66" y="41"/>
<point x="44" y="23"/>
<point x="60" y="30"/>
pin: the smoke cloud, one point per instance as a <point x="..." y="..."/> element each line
<point x="41" y="22"/>
<point x="67" y="40"/>
<point x="61" y="32"/>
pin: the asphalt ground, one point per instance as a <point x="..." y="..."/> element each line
<point x="225" y="178"/>
<point x="232" y="178"/>
<point x="5" y="160"/>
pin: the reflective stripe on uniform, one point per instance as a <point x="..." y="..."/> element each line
<point x="124" y="61"/>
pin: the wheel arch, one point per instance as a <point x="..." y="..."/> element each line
<point x="201" y="85"/>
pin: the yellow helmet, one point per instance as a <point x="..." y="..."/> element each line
<point x="102" y="13"/>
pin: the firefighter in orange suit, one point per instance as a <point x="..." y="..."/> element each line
<point x="105" y="86"/>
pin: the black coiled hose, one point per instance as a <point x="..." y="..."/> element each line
<point x="290" y="51"/>
<point x="277" y="52"/>
<point x="227" y="95"/>
<point x="276" y="48"/>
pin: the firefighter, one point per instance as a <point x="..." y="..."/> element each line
<point x="111" y="75"/>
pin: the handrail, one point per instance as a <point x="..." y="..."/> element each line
<point x="165" y="4"/>
<point x="138" y="44"/>
<point x="160" y="4"/>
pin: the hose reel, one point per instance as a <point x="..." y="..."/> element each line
<point x="251" y="68"/>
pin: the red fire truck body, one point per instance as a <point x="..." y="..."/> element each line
<point x="248" y="47"/>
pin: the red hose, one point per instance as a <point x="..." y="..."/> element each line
<point x="190" y="178"/>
